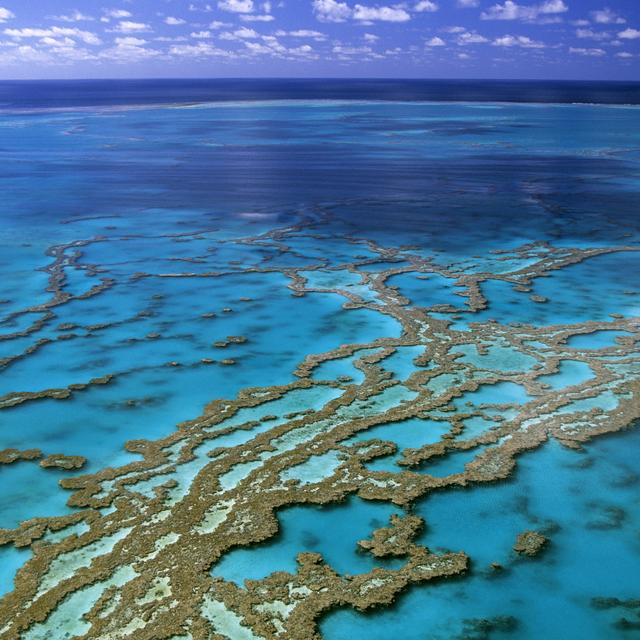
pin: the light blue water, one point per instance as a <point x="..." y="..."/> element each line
<point x="587" y="505"/>
<point x="570" y="372"/>
<point x="428" y="290"/>
<point x="332" y="531"/>
<point x="595" y="340"/>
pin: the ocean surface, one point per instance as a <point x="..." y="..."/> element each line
<point x="275" y="317"/>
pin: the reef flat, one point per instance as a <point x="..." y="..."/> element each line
<point x="192" y="377"/>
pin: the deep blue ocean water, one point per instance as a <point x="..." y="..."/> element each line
<point x="169" y="177"/>
<point x="40" y="94"/>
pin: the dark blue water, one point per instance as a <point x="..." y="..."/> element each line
<point x="88" y="93"/>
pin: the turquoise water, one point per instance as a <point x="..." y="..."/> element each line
<point x="570" y="372"/>
<point x="587" y="505"/>
<point x="233" y="242"/>
<point x="332" y="531"/>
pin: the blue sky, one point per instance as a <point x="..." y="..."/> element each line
<point x="559" y="39"/>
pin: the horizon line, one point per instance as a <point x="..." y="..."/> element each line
<point x="316" y="78"/>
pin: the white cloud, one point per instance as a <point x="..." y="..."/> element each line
<point x="74" y="16"/>
<point x="85" y="36"/>
<point x="468" y="37"/>
<point x="130" y="41"/>
<point x="343" y="50"/>
<point x="426" y="5"/>
<point x="115" y="14"/>
<point x="129" y="50"/>
<point x="216" y="24"/>
<point x="511" y="10"/>
<point x="201" y="35"/>
<point x="364" y="13"/>
<point x="629" y="34"/>
<point x="518" y="41"/>
<point x="236" y="6"/>
<point x="304" y="50"/>
<point x="171" y="39"/>
<point x="126" y="26"/>
<point x="595" y="53"/>
<point x="331" y="10"/>
<point x="468" y="4"/>
<point x="243" y="33"/>
<point x="247" y="17"/>
<point x="592" y="35"/>
<point x="302" y="33"/>
<point x="206" y="7"/>
<point x="5" y="14"/>
<point x="371" y="37"/>
<point x="624" y="54"/>
<point x="606" y="16"/>
<point x="435" y="42"/>
<point x="453" y="30"/>
<point x="58" y="42"/>
<point x="200" y="50"/>
<point x="170" y="20"/>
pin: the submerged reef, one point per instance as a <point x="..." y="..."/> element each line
<point x="136" y="554"/>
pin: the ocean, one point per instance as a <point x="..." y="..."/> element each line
<point x="346" y="358"/>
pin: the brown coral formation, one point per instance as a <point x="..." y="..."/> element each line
<point x="8" y="456"/>
<point x="530" y="543"/>
<point x="60" y="461"/>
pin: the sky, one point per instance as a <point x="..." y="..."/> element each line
<point x="545" y="39"/>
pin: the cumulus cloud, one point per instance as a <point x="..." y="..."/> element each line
<point x="518" y="41"/>
<point x="345" y="50"/>
<point x="331" y="10"/>
<point x="115" y="14"/>
<point x="200" y="50"/>
<point x="592" y="35"/>
<point x="129" y="50"/>
<point x="468" y="4"/>
<point x="364" y="13"/>
<point x="606" y="16"/>
<point x="170" y="20"/>
<point x="435" y="42"/>
<point x="243" y="33"/>
<point x="130" y="41"/>
<point x="469" y="37"/>
<point x="126" y="26"/>
<point x="426" y="5"/>
<point x="84" y="36"/>
<point x="624" y="54"/>
<point x="236" y="6"/>
<point x="511" y="10"/>
<point x="247" y="17"/>
<point x="629" y="34"/>
<point x="303" y="33"/>
<point x="74" y="16"/>
<point x="5" y="14"/>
